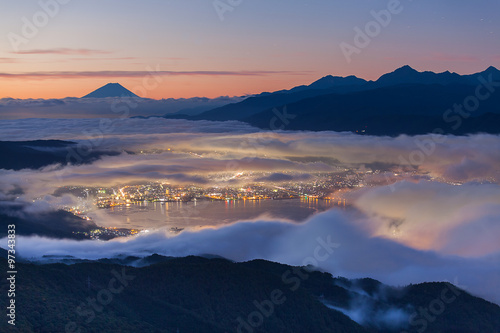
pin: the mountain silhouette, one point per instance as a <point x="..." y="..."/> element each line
<point x="330" y="81"/>
<point x="111" y="90"/>
<point x="255" y="104"/>
<point x="401" y="109"/>
<point x="404" y="101"/>
<point x="408" y="75"/>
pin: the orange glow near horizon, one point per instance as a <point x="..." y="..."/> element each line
<point x="169" y="87"/>
<point x="192" y="84"/>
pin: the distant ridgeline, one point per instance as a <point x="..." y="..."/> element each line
<point x="402" y="102"/>
<point x="195" y="294"/>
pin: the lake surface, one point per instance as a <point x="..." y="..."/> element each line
<point x="153" y="215"/>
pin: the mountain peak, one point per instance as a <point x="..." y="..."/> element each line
<point x="405" y="69"/>
<point x="111" y="90"/>
<point x="491" y="69"/>
<point x="330" y="81"/>
<point x="408" y="75"/>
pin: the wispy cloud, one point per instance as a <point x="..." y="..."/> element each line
<point x="64" y="51"/>
<point x="8" y="60"/>
<point x="99" y="59"/>
<point x="128" y="74"/>
<point x="174" y="58"/>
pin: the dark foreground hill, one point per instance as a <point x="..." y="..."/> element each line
<point x="32" y="221"/>
<point x="17" y="155"/>
<point x="53" y="224"/>
<point x="195" y="294"/>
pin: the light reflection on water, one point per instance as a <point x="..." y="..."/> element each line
<point x="152" y="215"/>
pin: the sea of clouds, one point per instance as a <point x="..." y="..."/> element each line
<point x="431" y="218"/>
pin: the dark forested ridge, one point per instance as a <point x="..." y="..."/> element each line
<point x="195" y="294"/>
<point x="17" y="155"/>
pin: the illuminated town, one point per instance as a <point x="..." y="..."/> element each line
<point x="106" y="233"/>
<point x="320" y="186"/>
<point x="333" y="189"/>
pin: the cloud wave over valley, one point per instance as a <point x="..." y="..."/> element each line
<point x="201" y="147"/>
<point x="334" y="241"/>
<point x="428" y="210"/>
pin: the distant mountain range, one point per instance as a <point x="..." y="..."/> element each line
<point x="108" y="107"/>
<point x="404" y="101"/>
<point x="195" y="294"/>
<point x="401" y="102"/>
<point x="408" y="75"/>
<point x="144" y="107"/>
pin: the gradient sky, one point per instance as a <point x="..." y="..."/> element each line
<point x="260" y="45"/>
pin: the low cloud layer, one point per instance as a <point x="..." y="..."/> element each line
<point x="333" y="241"/>
<point x="456" y="220"/>
<point x="180" y="151"/>
<point x="428" y="211"/>
<point x="72" y="107"/>
<point x="458" y="158"/>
